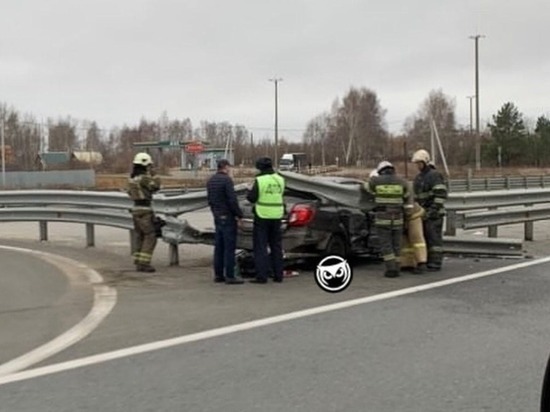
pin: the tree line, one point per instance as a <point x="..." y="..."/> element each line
<point x="352" y="132"/>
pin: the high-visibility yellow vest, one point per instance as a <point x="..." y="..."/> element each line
<point x="270" y="203"/>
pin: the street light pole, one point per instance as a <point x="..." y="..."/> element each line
<point x="276" y="81"/>
<point x="478" y="149"/>
<point x="471" y="112"/>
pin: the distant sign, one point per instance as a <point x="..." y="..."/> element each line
<point x="194" y="147"/>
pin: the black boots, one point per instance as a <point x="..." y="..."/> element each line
<point x="145" y="268"/>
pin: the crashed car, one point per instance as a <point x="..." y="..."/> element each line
<point x="324" y="216"/>
<point x="319" y="222"/>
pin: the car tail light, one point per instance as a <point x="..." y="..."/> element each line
<point x="301" y="215"/>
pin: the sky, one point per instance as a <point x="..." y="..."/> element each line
<point x="118" y="61"/>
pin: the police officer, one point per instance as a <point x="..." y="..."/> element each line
<point x="391" y="193"/>
<point x="267" y="196"/>
<point x="431" y="192"/>
<point x="141" y="185"/>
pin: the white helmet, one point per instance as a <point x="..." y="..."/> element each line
<point x="383" y="165"/>
<point x="143" y="159"/>
<point x="421" y="156"/>
<point x="373" y="173"/>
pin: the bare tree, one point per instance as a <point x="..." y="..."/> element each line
<point x="441" y="108"/>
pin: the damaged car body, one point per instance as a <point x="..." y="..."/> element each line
<point x="324" y="216"/>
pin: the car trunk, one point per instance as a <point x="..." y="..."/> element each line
<point x="295" y="231"/>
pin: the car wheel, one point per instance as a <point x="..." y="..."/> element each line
<point x="336" y="246"/>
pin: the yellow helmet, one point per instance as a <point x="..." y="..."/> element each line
<point x="421" y="156"/>
<point x="143" y="159"/>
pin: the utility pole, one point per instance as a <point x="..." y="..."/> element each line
<point x="276" y="160"/>
<point x="478" y="138"/>
<point x="471" y="113"/>
<point x="2" y="131"/>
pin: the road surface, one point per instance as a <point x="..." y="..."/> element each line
<point x="476" y="345"/>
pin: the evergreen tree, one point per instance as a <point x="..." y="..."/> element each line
<point x="509" y="134"/>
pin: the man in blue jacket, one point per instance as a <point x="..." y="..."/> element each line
<point x="227" y="215"/>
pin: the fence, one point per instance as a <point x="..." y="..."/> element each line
<point x="498" y="183"/>
<point x="54" y="178"/>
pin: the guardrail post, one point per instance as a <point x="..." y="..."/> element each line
<point x="507" y="182"/>
<point x="487" y="184"/>
<point x="525" y="183"/>
<point x="173" y="254"/>
<point x="542" y="181"/>
<point x="528" y="229"/>
<point x="90" y="235"/>
<point x="43" y="226"/>
<point x="450" y="223"/>
<point x="493" y="230"/>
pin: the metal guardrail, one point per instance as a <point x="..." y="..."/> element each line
<point x="484" y="209"/>
<point x="466" y="210"/>
<point x="498" y="183"/>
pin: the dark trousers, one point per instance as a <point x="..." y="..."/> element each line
<point x="390" y="244"/>
<point x="433" y="233"/>
<point x="146" y="238"/>
<point x="267" y="232"/>
<point x="225" y="243"/>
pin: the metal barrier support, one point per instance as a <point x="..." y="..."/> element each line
<point x="450" y="223"/>
<point x="493" y="230"/>
<point x="173" y="254"/>
<point x="43" y="226"/>
<point x="528" y="228"/>
<point x="90" y="235"/>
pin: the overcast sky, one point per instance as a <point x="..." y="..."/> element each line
<point x="116" y="61"/>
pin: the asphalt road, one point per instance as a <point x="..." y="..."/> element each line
<point x="480" y="345"/>
<point x="277" y="367"/>
<point x="37" y="303"/>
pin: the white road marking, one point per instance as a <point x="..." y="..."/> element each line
<point x="104" y="301"/>
<point x="167" y="343"/>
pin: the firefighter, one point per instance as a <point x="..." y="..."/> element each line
<point x="430" y="191"/>
<point x="413" y="244"/>
<point x="391" y="194"/>
<point x="267" y="196"/>
<point x="142" y="184"/>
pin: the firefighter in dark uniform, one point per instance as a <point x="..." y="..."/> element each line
<point x="267" y="196"/>
<point x="430" y="192"/>
<point x="391" y="194"/>
<point x="142" y="184"/>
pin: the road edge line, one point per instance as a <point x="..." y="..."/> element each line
<point x="105" y="298"/>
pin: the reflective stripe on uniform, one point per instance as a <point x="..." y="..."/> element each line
<point x="388" y="222"/>
<point x="388" y="257"/>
